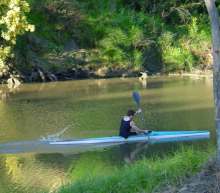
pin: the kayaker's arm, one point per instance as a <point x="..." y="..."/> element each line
<point x="136" y="129"/>
<point x="138" y="111"/>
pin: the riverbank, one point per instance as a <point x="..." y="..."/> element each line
<point x="106" y="72"/>
<point x="40" y="75"/>
<point x="71" y="36"/>
<point x="145" y="175"/>
<point x="206" y="181"/>
<point x="194" y="74"/>
<point x="103" y="73"/>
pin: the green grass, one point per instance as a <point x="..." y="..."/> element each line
<point x="144" y="175"/>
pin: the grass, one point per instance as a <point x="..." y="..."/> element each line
<point x="145" y="175"/>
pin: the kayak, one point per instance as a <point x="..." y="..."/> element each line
<point x="83" y="145"/>
<point x="153" y="137"/>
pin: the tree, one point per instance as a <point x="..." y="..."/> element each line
<point x="13" y="22"/>
<point x="215" y="27"/>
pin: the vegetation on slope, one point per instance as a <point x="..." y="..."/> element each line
<point x="143" y="176"/>
<point x="83" y="38"/>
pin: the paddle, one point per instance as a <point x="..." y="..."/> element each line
<point x="137" y="98"/>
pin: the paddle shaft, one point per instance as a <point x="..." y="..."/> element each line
<point x="137" y="99"/>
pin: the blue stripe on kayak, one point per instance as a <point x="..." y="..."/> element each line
<point x="154" y="133"/>
<point x="175" y="132"/>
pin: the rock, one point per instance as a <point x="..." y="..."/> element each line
<point x="13" y="82"/>
<point x="143" y="76"/>
<point x="102" y="72"/>
<point x="37" y="74"/>
<point x="51" y="77"/>
<point x="41" y="74"/>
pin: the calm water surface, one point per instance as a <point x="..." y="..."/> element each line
<point x="91" y="108"/>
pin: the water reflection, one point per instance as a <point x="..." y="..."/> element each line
<point x="6" y="91"/>
<point x="130" y="152"/>
<point x="31" y="174"/>
<point x="38" y="172"/>
<point x="91" y="108"/>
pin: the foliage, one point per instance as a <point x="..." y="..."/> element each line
<point x="13" y="22"/>
<point x="115" y="34"/>
<point x="175" y="57"/>
<point x="124" y="38"/>
<point x="119" y="46"/>
<point x="143" y="176"/>
<point x="185" y="51"/>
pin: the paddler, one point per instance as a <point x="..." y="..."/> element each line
<point x="128" y="126"/>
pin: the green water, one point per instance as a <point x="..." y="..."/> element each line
<point x="92" y="108"/>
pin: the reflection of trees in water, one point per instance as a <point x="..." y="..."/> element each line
<point x="30" y="173"/>
<point x="50" y="171"/>
<point x="105" y="162"/>
<point x="5" y="94"/>
<point x="131" y="152"/>
<point x="90" y="164"/>
<point x="7" y="90"/>
<point x="47" y="171"/>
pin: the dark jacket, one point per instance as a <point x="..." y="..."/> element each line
<point x="125" y="128"/>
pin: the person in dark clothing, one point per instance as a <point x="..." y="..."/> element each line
<point x="128" y="127"/>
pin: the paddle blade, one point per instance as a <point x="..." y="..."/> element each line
<point x="137" y="98"/>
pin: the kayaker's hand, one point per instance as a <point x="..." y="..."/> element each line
<point x="138" y="111"/>
<point x="148" y="132"/>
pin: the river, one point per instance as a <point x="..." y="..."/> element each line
<point x="92" y="108"/>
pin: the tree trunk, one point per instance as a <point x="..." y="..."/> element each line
<point x="214" y="20"/>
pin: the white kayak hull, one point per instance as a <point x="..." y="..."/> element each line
<point x="154" y="137"/>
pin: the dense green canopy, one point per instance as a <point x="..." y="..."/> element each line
<point x="157" y="36"/>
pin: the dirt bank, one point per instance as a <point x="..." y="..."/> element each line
<point x="206" y="181"/>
